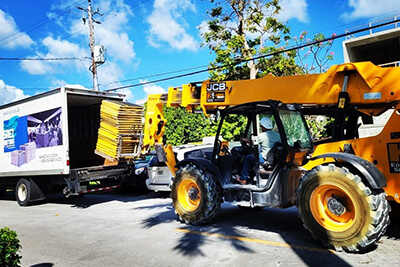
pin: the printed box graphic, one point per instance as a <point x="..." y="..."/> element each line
<point x="29" y="149"/>
<point x="17" y="157"/>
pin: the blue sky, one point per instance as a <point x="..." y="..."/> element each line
<point x="142" y="37"/>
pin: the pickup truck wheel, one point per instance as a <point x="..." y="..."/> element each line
<point x="340" y="210"/>
<point x="195" y="195"/>
<point x="23" y="192"/>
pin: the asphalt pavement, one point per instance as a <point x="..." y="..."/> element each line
<point x="142" y="230"/>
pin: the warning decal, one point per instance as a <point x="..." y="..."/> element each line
<point x="394" y="157"/>
<point x="215" y="96"/>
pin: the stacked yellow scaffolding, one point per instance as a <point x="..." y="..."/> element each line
<point x="120" y="130"/>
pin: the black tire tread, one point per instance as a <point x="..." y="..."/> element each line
<point x="379" y="210"/>
<point x="212" y="204"/>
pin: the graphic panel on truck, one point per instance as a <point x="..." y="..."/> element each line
<point x="23" y="135"/>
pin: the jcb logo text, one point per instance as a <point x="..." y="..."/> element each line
<point x="216" y="87"/>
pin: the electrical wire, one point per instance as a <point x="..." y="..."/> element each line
<point x="155" y="75"/>
<point x="36" y="25"/>
<point x="257" y="57"/>
<point x="43" y="59"/>
<point x="129" y="8"/>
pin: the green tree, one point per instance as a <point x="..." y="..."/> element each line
<point x="240" y="29"/>
<point x="320" y="126"/>
<point x="184" y="127"/>
<point x="9" y="248"/>
<point x="314" y="58"/>
<point x="234" y="127"/>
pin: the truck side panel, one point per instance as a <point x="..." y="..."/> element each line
<point x="32" y="142"/>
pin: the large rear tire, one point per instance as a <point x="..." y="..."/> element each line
<point x="23" y="192"/>
<point x="340" y="210"/>
<point x="195" y="195"/>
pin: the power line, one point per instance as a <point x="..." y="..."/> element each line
<point x="42" y="59"/>
<point x="258" y="57"/>
<point x="203" y="66"/>
<point x="155" y="75"/>
<point x="35" y="26"/>
<point x="130" y="8"/>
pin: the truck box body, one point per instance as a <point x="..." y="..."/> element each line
<point x="51" y="134"/>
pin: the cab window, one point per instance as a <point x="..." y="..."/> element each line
<point x="295" y="128"/>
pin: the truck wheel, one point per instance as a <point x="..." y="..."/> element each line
<point x="23" y="192"/>
<point x="340" y="211"/>
<point x="195" y="195"/>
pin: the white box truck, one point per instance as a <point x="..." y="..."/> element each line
<point x="48" y="146"/>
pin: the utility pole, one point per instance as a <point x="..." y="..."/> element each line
<point x="93" y="67"/>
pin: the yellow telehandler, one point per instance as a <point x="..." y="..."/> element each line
<point x="341" y="186"/>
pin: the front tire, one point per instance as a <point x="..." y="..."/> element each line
<point x="23" y="192"/>
<point x="340" y="211"/>
<point x="195" y="195"/>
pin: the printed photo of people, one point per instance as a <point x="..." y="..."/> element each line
<point x="45" y="128"/>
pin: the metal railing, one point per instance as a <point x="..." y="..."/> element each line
<point x="390" y="64"/>
<point x="370" y="24"/>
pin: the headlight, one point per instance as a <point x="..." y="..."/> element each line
<point x="139" y="171"/>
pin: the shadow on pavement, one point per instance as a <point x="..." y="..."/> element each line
<point x="393" y="230"/>
<point x="46" y="264"/>
<point x="84" y="201"/>
<point x="237" y="226"/>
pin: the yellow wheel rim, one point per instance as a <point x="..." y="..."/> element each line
<point x="189" y="195"/>
<point x="333" y="208"/>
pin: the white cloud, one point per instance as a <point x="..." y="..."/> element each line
<point x="109" y="73"/>
<point x="10" y="93"/>
<point x="151" y="88"/>
<point x="56" y="48"/>
<point x="36" y="67"/>
<point x="167" y="25"/>
<point x="369" y="8"/>
<point x="57" y="84"/>
<point x="118" y="44"/>
<point x="128" y="93"/>
<point x="112" y="31"/>
<point x="10" y="36"/>
<point x="62" y="48"/>
<point x="293" y="9"/>
<point x="62" y="83"/>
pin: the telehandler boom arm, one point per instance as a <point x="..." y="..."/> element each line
<point x="369" y="87"/>
<point x="359" y="89"/>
